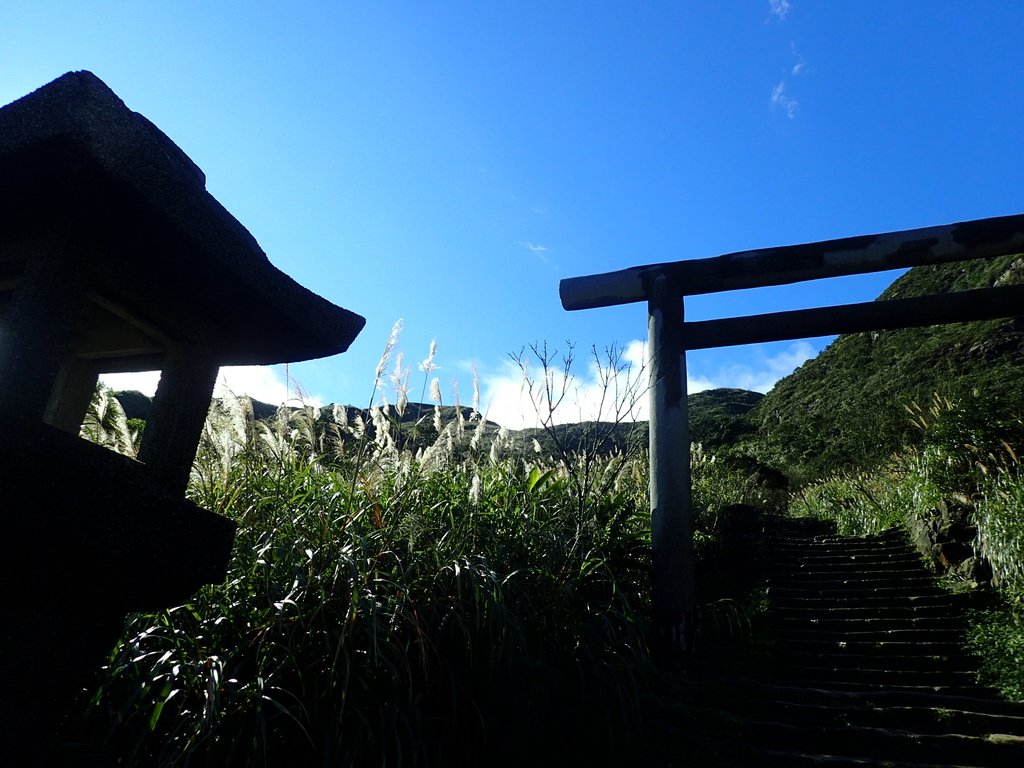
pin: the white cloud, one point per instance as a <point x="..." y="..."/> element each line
<point x="144" y="382"/>
<point x="781" y="100"/>
<point x="699" y="383"/>
<point x="799" y="68"/>
<point x="778" y="8"/>
<point x="265" y="383"/>
<point x="763" y="377"/>
<point x="597" y="393"/>
<point x="260" y="382"/>
<point x="508" y="402"/>
<point x="507" y="399"/>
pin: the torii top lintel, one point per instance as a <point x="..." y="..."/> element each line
<point x="82" y="174"/>
<point x="980" y="238"/>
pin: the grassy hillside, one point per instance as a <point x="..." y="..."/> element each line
<point x="845" y="408"/>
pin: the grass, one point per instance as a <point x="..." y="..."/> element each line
<point x="376" y="621"/>
<point x="387" y="604"/>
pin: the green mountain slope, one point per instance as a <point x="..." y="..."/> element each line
<point x="717" y="417"/>
<point x="845" y="408"/>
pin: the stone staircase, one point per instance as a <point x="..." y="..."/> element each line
<point x="867" y="666"/>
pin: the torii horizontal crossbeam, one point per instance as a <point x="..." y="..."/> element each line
<point x="982" y="238"/>
<point x="914" y="312"/>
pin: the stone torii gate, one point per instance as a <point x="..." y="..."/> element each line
<point x="113" y="258"/>
<point x="664" y="286"/>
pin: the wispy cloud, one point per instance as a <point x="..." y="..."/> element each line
<point x="782" y="100"/>
<point x="801" y="65"/>
<point x="540" y="251"/>
<point x="778" y="8"/>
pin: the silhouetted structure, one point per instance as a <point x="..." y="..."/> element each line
<point x="114" y="257"/>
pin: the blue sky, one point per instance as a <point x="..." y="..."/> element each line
<point x="448" y="163"/>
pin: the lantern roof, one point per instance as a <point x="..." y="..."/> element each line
<point x="99" y="189"/>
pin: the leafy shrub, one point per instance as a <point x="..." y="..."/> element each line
<point x="1000" y="518"/>
<point x="861" y="503"/>
<point x="996" y="636"/>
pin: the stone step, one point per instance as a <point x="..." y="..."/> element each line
<point x="882" y="633"/>
<point x="794" y="600"/>
<point x="874" y="699"/>
<point x="862" y="676"/>
<point x="896" y="535"/>
<point x="854" y="567"/>
<point x="862" y="623"/>
<point x="830" y="545"/>
<point x="814" y="645"/>
<point x="778" y="549"/>
<point x="811" y="553"/>
<point x="928" y="720"/>
<point x="936" y="611"/>
<point x="852" y="591"/>
<point x="888" y="744"/>
<point x="841" y="660"/>
<point x="862" y="580"/>
<point x="850" y="686"/>
<point x="783" y="759"/>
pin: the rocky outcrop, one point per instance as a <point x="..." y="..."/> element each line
<point x="946" y="536"/>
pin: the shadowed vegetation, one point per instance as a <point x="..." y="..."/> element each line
<point x="462" y="603"/>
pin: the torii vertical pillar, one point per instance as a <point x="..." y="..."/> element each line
<point x="672" y="553"/>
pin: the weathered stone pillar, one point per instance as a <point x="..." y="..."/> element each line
<point x="72" y="392"/>
<point x="176" y="420"/>
<point x="37" y="335"/>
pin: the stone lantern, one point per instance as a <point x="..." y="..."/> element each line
<point x="114" y="258"/>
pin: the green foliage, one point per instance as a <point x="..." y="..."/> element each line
<point x="105" y="424"/>
<point x="394" y="603"/>
<point x="413" y="617"/>
<point x="996" y="636"/>
<point x="962" y="454"/>
<point x="843" y="409"/>
<point x="721" y="417"/>
<point x="860" y="503"/>
<point x="1000" y="518"/>
<point x="964" y="442"/>
<point x="720" y="480"/>
<point x="412" y="585"/>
